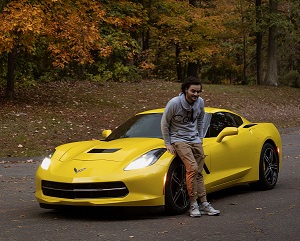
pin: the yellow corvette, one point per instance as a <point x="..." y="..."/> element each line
<point x="131" y="167"/>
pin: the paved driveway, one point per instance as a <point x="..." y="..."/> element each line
<point x="246" y="214"/>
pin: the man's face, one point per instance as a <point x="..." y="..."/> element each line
<point x="192" y="93"/>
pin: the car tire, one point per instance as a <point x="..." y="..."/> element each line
<point x="176" y="195"/>
<point x="268" y="168"/>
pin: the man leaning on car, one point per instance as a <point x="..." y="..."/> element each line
<point x="182" y="129"/>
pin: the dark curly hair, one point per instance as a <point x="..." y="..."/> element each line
<point x="190" y="81"/>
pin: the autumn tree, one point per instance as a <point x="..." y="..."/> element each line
<point x="183" y="34"/>
<point x="289" y="44"/>
<point x="68" y="28"/>
<point x="99" y="33"/>
<point x="123" y="28"/>
<point x="259" y="41"/>
<point x="271" y="72"/>
<point x="20" y="25"/>
<point x="231" y="35"/>
<point x="127" y="40"/>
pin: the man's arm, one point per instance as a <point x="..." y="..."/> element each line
<point x="165" y="127"/>
<point x="200" y="120"/>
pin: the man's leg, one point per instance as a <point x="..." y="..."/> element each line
<point x="185" y="152"/>
<point x="199" y="156"/>
<point x="205" y="207"/>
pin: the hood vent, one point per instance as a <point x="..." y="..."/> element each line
<point x="103" y="150"/>
<point x="249" y="125"/>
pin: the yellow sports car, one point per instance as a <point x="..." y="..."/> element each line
<point x="131" y="167"/>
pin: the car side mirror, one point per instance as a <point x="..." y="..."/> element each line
<point x="228" y="131"/>
<point x="106" y="133"/>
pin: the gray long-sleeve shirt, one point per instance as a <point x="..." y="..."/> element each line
<point x="182" y="122"/>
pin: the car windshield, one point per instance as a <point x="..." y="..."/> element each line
<point x="146" y="125"/>
<point x="138" y="126"/>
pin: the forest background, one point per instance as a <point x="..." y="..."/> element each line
<point x="235" y="42"/>
<point x="60" y="58"/>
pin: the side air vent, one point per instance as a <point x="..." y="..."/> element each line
<point x="103" y="150"/>
<point x="250" y="125"/>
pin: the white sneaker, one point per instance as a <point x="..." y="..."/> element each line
<point x="207" y="209"/>
<point x="194" y="210"/>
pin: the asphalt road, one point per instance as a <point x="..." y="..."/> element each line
<point x="245" y="214"/>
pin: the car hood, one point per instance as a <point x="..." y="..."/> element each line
<point x="115" y="150"/>
<point x="91" y="161"/>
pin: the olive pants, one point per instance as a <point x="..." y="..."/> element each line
<point x="192" y="155"/>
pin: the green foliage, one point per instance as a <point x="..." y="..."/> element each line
<point x="124" y="73"/>
<point x="100" y="79"/>
<point x="292" y="79"/>
<point x="221" y="74"/>
<point x="48" y="76"/>
<point x="117" y="72"/>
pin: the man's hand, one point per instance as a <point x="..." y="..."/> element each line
<point x="171" y="149"/>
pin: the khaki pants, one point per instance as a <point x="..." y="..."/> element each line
<point x="192" y="155"/>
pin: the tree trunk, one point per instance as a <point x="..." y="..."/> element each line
<point x="146" y="40"/>
<point x="271" y="74"/>
<point x="259" y="78"/>
<point x="245" y="79"/>
<point x="192" y="67"/>
<point x="10" y="86"/>
<point x="259" y="71"/>
<point x="192" y="70"/>
<point x="193" y="2"/>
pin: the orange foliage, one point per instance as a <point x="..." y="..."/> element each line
<point x="69" y="27"/>
<point x="193" y="30"/>
<point x="20" y="24"/>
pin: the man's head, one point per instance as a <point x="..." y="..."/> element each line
<point x="191" y="88"/>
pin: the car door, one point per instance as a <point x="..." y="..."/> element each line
<point x="230" y="160"/>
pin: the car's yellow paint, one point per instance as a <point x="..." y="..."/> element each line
<point x="146" y="186"/>
<point x="234" y="162"/>
<point x="228" y="131"/>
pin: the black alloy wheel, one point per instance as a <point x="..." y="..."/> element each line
<point x="176" y="195"/>
<point x="268" y="168"/>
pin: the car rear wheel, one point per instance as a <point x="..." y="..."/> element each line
<point x="176" y="195"/>
<point x="268" y="168"/>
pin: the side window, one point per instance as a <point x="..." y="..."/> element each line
<point x="238" y="120"/>
<point x="218" y="122"/>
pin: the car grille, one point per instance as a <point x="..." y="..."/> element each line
<point x="84" y="190"/>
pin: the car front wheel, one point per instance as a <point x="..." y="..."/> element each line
<point x="176" y="195"/>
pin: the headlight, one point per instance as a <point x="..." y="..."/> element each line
<point x="145" y="160"/>
<point x="46" y="162"/>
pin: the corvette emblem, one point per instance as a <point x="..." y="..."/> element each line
<point x="78" y="170"/>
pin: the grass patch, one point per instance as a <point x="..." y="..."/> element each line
<point x="54" y="113"/>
